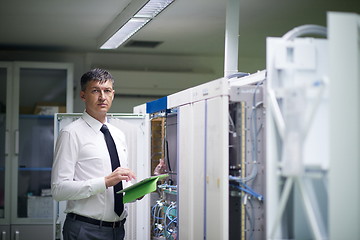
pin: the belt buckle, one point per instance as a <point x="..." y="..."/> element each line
<point x="114" y="225"/>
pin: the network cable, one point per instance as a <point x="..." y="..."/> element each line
<point x="245" y="188"/>
<point x="251" y="219"/>
<point x="254" y="134"/>
<point x="170" y="232"/>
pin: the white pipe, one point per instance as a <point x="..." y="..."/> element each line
<point x="304" y="30"/>
<point x="231" y="37"/>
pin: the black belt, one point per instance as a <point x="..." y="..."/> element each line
<point x="95" y="221"/>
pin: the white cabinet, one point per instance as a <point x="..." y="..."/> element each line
<point x="30" y="93"/>
<point x="136" y="130"/>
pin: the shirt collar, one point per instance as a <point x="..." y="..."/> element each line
<point x="92" y="122"/>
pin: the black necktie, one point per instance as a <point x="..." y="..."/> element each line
<point x="115" y="163"/>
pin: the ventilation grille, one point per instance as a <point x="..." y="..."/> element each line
<point x="143" y="44"/>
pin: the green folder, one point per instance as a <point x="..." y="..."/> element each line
<point x="141" y="188"/>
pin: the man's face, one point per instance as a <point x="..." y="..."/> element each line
<point x="98" y="97"/>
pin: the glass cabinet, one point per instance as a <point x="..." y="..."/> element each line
<point x="34" y="92"/>
<point x="5" y="109"/>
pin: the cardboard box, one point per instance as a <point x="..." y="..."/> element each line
<point x="47" y="108"/>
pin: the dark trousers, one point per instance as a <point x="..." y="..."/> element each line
<point x="78" y="230"/>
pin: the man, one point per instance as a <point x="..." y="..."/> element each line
<point x="83" y="169"/>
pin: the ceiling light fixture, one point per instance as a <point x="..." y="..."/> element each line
<point x="143" y="15"/>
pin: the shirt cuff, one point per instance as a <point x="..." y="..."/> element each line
<point x="98" y="185"/>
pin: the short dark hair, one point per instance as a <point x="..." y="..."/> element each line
<point x="95" y="74"/>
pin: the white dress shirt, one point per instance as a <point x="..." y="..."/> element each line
<point x="81" y="162"/>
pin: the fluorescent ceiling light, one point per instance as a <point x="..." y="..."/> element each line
<point x="138" y="20"/>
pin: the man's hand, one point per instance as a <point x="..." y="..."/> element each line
<point x="118" y="175"/>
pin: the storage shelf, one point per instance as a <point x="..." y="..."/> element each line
<point x="34" y="116"/>
<point x="34" y="169"/>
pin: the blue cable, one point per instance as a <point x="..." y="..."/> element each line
<point x="249" y="191"/>
<point x="153" y="213"/>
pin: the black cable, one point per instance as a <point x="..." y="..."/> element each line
<point x="166" y="145"/>
<point x="167" y="154"/>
